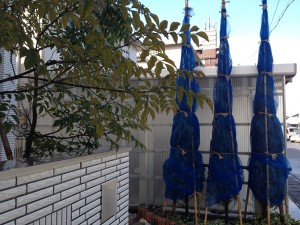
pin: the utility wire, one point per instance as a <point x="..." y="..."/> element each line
<point x="279" y="18"/>
<point x="275" y="12"/>
<point x="282" y="14"/>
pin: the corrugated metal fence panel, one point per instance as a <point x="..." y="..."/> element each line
<point x="146" y="184"/>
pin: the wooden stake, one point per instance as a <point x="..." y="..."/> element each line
<point x="223" y="4"/>
<point x="186" y="204"/>
<point x="281" y="214"/>
<point x="268" y="215"/>
<point x="199" y="202"/>
<point x="226" y="203"/>
<point x="240" y="209"/>
<point x="246" y="203"/>
<point x="205" y="217"/>
<point x="164" y="207"/>
<point x="173" y="207"/>
<point x="196" y="207"/>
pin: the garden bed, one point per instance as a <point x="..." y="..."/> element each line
<point x="154" y="217"/>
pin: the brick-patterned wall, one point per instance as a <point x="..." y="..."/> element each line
<point x="65" y="192"/>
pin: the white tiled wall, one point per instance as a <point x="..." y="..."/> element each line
<point x="65" y="192"/>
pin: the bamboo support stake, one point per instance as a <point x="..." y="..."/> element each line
<point x="281" y="210"/>
<point x="240" y="209"/>
<point x="164" y="207"/>
<point x="199" y="202"/>
<point x="205" y="217"/>
<point x="173" y="207"/>
<point x="268" y="215"/>
<point x="223" y="4"/>
<point x="246" y="203"/>
<point x="196" y="207"/>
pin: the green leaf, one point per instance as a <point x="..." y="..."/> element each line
<point x="31" y="59"/>
<point x="149" y="21"/>
<point x="155" y="18"/>
<point x="125" y="12"/>
<point x="163" y="25"/>
<point x="41" y="69"/>
<point x="174" y="26"/>
<point x="144" y="116"/>
<point x="100" y="130"/>
<point x="86" y="7"/>
<point x="52" y="14"/>
<point x="185" y="27"/>
<point x="65" y="21"/>
<point x="152" y="113"/>
<point x="136" y="19"/>
<point x="180" y="93"/>
<point x="195" y="39"/>
<point x="203" y="35"/>
<point x="194" y="28"/>
<point x="138" y="107"/>
<point x="55" y="2"/>
<point x="56" y="41"/>
<point x="174" y="36"/>
<point x="158" y="68"/>
<point x="170" y="69"/>
<point x="184" y="38"/>
<point x="75" y="20"/>
<point x="94" y="112"/>
<point x="190" y="99"/>
<point x="155" y="106"/>
<point x="7" y="126"/>
<point x="151" y="62"/>
<point x="136" y="5"/>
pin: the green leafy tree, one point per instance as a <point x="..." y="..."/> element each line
<point x="87" y="88"/>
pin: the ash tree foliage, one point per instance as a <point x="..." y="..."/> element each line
<point x="87" y="89"/>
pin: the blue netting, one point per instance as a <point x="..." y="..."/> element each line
<point x="225" y="174"/>
<point x="183" y="171"/>
<point x="268" y="166"/>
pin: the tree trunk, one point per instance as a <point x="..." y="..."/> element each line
<point x="30" y="137"/>
<point x="5" y="142"/>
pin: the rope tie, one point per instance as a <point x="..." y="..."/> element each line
<point x="218" y="154"/>
<point x="186" y="114"/>
<point x="266" y="114"/>
<point x="273" y="155"/>
<point x="187" y="46"/>
<point x="225" y="37"/>
<point x="266" y="73"/>
<point x="224" y="3"/>
<point x="224" y="14"/>
<point x="265" y="6"/>
<point x="265" y="40"/>
<point x="222" y="114"/>
<point x="183" y="151"/>
<point x="224" y="75"/>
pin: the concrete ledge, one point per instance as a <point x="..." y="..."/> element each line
<point x="16" y="172"/>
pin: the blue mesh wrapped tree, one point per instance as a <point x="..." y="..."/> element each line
<point x="183" y="171"/>
<point x="268" y="166"/>
<point x="225" y="174"/>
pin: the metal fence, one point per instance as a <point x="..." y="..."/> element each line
<point x="146" y="185"/>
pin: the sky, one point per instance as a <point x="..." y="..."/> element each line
<point x="245" y="20"/>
